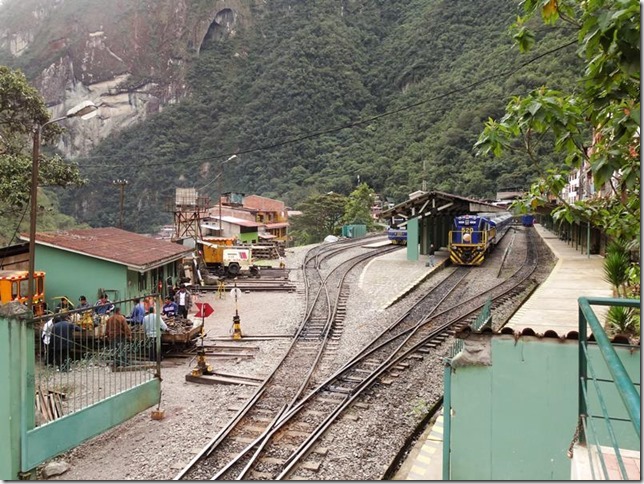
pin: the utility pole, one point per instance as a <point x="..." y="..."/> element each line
<point x="84" y="110"/>
<point x="121" y="184"/>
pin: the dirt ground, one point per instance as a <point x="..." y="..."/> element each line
<point x="147" y="449"/>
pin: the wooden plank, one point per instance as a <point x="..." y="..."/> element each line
<point x="232" y="375"/>
<point x="43" y="405"/>
<point x="212" y="380"/>
<point x="215" y="355"/>
<point x="59" y="405"/>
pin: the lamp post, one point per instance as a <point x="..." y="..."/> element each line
<point x="122" y="184"/>
<point x="221" y="176"/>
<point x="84" y="110"/>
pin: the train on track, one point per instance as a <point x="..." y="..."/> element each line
<point x="474" y="236"/>
<point x="527" y="220"/>
<point x="397" y="235"/>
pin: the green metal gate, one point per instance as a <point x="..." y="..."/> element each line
<point x="58" y="392"/>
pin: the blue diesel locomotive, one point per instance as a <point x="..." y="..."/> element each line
<point x="474" y="236"/>
<point x="397" y="235"/>
<point x="527" y="220"/>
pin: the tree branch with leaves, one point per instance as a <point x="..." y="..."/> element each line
<point x="597" y="126"/>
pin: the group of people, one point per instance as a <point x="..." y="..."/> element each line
<point x="58" y="331"/>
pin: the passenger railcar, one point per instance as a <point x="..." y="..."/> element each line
<point x="397" y="235"/>
<point x="527" y="220"/>
<point x="474" y="236"/>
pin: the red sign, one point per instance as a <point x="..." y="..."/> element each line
<point x="204" y="310"/>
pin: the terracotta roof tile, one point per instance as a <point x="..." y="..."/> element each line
<point x="109" y="243"/>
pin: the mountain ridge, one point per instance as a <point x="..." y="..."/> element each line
<point x="316" y="71"/>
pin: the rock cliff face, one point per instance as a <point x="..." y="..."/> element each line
<point x="128" y="56"/>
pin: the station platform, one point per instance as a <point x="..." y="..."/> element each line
<point x="391" y="276"/>
<point x="553" y="306"/>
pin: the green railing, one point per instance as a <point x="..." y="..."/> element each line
<point x="589" y="432"/>
<point x="483" y="319"/>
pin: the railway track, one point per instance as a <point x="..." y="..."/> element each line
<point x="265" y="285"/>
<point x="411" y="336"/>
<point x="279" y="390"/>
<point x="290" y="433"/>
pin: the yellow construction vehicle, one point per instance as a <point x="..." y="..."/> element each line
<point x="221" y="257"/>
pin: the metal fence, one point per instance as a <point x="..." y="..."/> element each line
<point x="602" y="428"/>
<point x="484" y="318"/>
<point x="82" y="360"/>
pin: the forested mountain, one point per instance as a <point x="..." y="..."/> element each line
<point x="314" y="96"/>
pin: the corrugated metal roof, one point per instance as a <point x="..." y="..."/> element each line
<point x="239" y="221"/>
<point x="109" y="243"/>
<point x="423" y="205"/>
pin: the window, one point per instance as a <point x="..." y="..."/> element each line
<point x="24" y="288"/>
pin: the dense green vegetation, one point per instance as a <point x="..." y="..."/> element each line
<point x="315" y="94"/>
<point x="21" y="107"/>
<point x="596" y="127"/>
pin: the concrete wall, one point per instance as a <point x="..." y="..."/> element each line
<point x="515" y="419"/>
<point x="72" y="275"/>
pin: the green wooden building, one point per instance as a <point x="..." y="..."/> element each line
<point x="90" y="261"/>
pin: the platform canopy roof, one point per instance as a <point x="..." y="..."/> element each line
<point x="434" y="203"/>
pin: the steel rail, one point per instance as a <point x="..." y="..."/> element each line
<point x="399" y="355"/>
<point x="310" y="259"/>
<point x="262" y="442"/>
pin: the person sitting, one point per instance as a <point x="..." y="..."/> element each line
<point x="170" y="308"/>
<point x="82" y="303"/>
<point x="103" y="306"/>
<point x="84" y="317"/>
<point x="62" y="306"/>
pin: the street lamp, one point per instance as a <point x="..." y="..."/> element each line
<point x="84" y="110"/>
<point x="221" y="176"/>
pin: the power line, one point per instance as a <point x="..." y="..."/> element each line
<point x="353" y="124"/>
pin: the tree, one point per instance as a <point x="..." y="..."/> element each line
<point x="21" y="108"/>
<point x="597" y="126"/>
<point x="321" y="216"/>
<point x="358" y="207"/>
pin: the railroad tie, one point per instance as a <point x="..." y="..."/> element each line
<point x="263" y="476"/>
<point x="273" y="461"/>
<point x="342" y="390"/>
<point x="311" y="466"/>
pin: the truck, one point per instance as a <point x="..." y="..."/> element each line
<point x="221" y="257"/>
